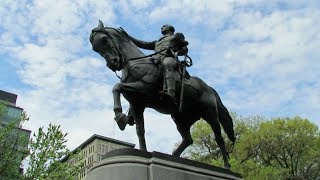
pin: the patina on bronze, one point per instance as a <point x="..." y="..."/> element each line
<point x="141" y="84"/>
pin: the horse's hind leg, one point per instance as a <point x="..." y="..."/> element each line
<point x="186" y="138"/>
<point x="213" y="120"/>
<point x="137" y="113"/>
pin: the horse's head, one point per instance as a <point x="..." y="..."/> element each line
<point x="104" y="43"/>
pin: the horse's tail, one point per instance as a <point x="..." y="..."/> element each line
<point x="225" y="118"/>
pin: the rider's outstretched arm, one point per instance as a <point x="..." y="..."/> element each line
<point x="143" y="44"/>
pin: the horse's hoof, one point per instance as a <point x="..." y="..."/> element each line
<point x="175" y="154"/>
<point x="131" y="121"/>
<point x="122" y="121"/>
<point x="227" y="166"/>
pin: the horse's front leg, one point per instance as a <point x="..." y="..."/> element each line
<point x="120" y="118"/>
<point x="136" y="87"/>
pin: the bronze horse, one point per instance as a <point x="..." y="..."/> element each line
<point x="140" y="84"/>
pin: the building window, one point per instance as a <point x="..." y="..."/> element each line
<point x="90" y="160"/>
<point x="89" y="167"/>
<point x="91" y="149"/>
<point x="82" y="173"/>
<point x="99" y="157"/>
<point x="99" y="148"/>
<point x="12" y="113"/>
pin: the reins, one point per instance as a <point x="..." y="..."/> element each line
<point x="118" y="76"/>
<point x="137" y="58"/>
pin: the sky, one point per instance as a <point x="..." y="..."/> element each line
<point x="262" y="56"/>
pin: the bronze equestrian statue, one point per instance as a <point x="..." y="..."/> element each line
<point x="142" y="83"/>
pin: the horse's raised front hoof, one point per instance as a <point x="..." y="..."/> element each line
<point x="122" y="121"/>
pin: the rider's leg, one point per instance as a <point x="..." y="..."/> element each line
<point x="169" y="64"/>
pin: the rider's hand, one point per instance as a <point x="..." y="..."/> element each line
<point x="123" y="31"/>
<point x="183" y="51"/>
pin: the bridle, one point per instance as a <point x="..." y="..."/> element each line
<point x="114" y="44"/>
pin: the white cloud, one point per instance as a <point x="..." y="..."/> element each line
<point x="263" y="59"/>
<point x="13" y="28"/>
<point x="139" y="4"/>
<point x="42" y="66"/>
<point x="53" y="17"/>
<point x="211" y="13"/>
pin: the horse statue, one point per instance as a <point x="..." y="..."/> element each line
<point x="140" y="84"/>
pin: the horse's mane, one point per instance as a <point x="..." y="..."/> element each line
<point x="106" y="30"/>
<point x="115" y="35"/>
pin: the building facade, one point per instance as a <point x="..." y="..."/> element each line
<point x="18" y="137"/>
<point x="92" y="152"/>
<point x="13" y="111"/>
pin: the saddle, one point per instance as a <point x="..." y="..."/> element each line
<point x="157" y="62"/>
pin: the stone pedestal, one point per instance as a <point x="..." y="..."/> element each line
<point x="133" y="164"/>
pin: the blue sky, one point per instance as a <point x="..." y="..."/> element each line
<point x="261" y="56"/>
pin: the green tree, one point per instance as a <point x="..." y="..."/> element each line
<point x="47" y="148"/>
<point x="45" y="151"/>
<point x="264" y="149"/>
<point x="205" y="148"/>
<point x="13" y="144"/>
<point x="288" y="144"/>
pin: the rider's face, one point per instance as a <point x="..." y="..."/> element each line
<point x="165" y="29"/>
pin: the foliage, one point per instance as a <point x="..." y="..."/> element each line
<point x="47" y="148"/>
<point x="13" y="144"/>
<point x="205" y="147"/>
<point x="288" y="144"/>
<point x="264" y="149"/>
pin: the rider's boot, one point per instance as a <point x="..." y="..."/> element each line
<point x="171" y="86"/>
<point x="169" y="63"/>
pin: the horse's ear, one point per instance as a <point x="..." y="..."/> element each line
<point x="100" y="24"/>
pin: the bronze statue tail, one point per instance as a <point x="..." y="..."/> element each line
<point x="225" y="118"/>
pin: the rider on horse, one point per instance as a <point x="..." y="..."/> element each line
<point x="167" y="48"/>
<point x="141" y="88"/>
